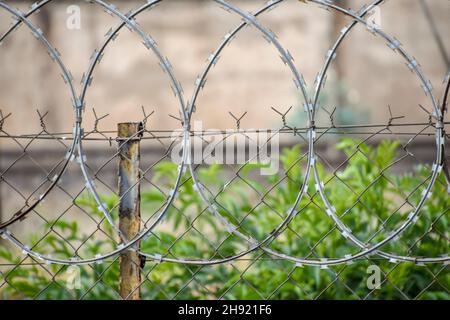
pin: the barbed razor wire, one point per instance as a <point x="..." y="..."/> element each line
<point x="313" y="188"/>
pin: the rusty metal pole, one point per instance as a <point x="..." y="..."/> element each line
<point x="129" y="135"/>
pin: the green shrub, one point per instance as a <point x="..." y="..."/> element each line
<point x="191" y="231"/>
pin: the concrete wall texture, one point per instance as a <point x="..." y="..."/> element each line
<point x="249" y="76"/>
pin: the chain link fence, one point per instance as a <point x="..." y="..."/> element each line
<point x="340" y="211"/>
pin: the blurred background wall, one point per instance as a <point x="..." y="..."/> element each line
<point x="366" y="76"/>
<point x="363" y="81"/>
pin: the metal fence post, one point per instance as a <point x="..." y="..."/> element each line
<point x="129" y="135"/>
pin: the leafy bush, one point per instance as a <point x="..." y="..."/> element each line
<point x="380" y="201"/>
